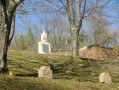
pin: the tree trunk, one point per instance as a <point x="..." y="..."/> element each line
<point x="3" y="49"/>
<point x="8" y="7"/>
<point x="74" y="42"/>
<point x="6" y="18"/>
<point x="4" y="36"/>
<point x="12" y="28"/>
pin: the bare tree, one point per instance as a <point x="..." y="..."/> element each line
<point x="77" y="10"/>
<point x="75" y="20"/>
<point x="8" y="8"/>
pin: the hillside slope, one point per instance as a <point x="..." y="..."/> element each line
<point x="79" y="75"/>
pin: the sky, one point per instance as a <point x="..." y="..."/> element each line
<point x="36" y="18"/>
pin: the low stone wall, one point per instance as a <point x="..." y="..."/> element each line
<point x="60" y="53"/>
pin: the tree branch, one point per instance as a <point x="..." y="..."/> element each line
<point x="78" y="9"/>
<point x="84" y="7"/>
<point x="98" y="6"/>
<point x="18" y="1"/>
<point x="12" y="28"/>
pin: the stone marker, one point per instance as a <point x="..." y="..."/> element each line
<point x="33" y="61"/>
<point x="58" y="64"/>
<point x="94" y="74"/>
<point x="68" y="72"/>
<point x="10" y="73"/>
<point x="10" y="66"/>
<point x="9" y="59"/>
<point x="36" y="69"/>
<point x="105" y="78"/>
<point x="116" y="60"/>
<point x="45" y="72"/>
<point x="82" y="65"/>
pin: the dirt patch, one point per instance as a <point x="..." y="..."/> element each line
<point x="96" y="51"/>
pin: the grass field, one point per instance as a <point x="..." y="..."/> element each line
<point x="69" y="76"/>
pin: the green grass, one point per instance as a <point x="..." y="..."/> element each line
<point x="26" y="78"/>
<point x="31" y="83"/>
